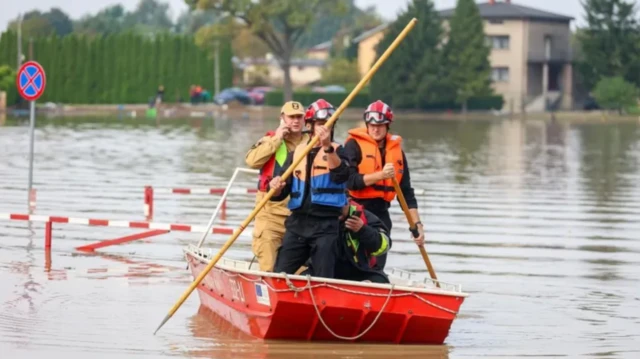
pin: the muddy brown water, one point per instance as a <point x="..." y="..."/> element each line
<point x="539" y="222"/>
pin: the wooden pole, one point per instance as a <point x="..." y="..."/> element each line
<point x="414" y="230"/>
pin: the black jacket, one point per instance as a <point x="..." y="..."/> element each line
<point x="371" y="238"/>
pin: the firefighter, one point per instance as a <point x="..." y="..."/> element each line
<point x="362" y="240"/>
<point x="317" y="191"/>
<point x="375" y="156"/>
<point x="268" y="155"/>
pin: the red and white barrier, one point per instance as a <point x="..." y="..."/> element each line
<point x="115" y="223"/>
<point x="157" y="228"/>
<point x="204" y="190"/>
<point x="149" y="192"/>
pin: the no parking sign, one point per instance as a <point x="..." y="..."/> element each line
<point x="31" y="81"/>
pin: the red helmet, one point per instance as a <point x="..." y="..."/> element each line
<point x="320" y="110"/>
<point x="378" y="113"/>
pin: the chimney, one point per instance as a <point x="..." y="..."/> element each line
<point x="492" y="2"/>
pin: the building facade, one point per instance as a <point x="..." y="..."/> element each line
<point x="531" y="59"/>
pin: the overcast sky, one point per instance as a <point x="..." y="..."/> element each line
<point x="387" y="8"/>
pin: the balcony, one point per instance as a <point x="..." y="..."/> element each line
<point x="550" y="51"/>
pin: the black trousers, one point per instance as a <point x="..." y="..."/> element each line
<point x="309" y="237"/>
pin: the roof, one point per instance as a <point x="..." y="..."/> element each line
<point x="321" y="46"/>
<point x="509" y="10"/>
<point x="369" y="33"/>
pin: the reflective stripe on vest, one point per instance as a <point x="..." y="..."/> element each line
<point x="371" y="162"/>
<point x="273" y="165"/>
<point x="323" y="190"/>
<point x="354" y="243"/>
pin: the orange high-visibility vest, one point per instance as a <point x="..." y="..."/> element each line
<point x="372" y="162"/>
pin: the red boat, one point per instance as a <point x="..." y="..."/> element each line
<point x="278" y="306"/>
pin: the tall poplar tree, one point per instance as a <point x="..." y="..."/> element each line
<point x="467" y="53"/>
<point x="413" y="75"/>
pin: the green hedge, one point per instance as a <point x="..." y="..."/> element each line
<point x="362" y="100"/>
<point x="116" y="69"/>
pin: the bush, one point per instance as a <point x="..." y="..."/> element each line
<point x="614" y="93"/>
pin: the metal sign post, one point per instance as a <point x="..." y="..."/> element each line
<point x="31" y="82"/>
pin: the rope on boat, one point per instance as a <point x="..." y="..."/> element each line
<point x="315" y="306"/>
<point x="293" y="288"/>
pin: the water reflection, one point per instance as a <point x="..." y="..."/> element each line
<point x="225" y="341"/>
<point x="609" y="155"/>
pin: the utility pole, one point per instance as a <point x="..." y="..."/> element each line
<point x="217" y="67"/>
<point x="19" y="42"/>
<point x="31" y="48"/>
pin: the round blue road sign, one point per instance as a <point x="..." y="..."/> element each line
<point x="31" y="81"/>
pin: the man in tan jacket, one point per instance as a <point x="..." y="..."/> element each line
<point x="268" y="155"/>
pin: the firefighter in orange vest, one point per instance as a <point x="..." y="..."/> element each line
<point x="317" y="191"/>
<point x="268" y="155"/>
<point x="375" y="156"/>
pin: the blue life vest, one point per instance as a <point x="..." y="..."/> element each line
<point x="323" y="190"/>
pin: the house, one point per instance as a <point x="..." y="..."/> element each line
<point x="531" y="58"/>
<point x="367" y="42"/>
<point x="303" y="72"/>
<point x="320" y="51"/>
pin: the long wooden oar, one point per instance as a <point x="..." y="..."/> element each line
<point x="288" y="172"/>
<point x="414" y="229"/>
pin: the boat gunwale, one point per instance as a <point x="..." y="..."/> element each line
<point x="194" y="251"/>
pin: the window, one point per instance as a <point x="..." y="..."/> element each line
<point x="500" y="74"/>
<point x="499" y="42"/>
<point x="496" y="21"/>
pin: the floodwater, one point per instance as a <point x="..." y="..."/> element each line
<point x="538" y="221"/>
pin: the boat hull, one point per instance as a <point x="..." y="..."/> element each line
<point x="274" y="306"/>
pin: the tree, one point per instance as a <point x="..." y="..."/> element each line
<point x="610" y="43"/>
<point x="467" y="53"/>
<point x="7" y="77"/>
<point x="243" y="41"/>
<point x="189" y="22"/>
<point x="413" y="75"/>
<point x="278" y="23"/>
<point x="340" y="71"/>
<point x="36" y="23"/>
<point x="106" y="22"/>
<point x="150" y="16"/>
<point x="614" y="93"/>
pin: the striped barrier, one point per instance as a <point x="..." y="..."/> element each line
<point x="154" y="228"/>
<point x="149" y="192"/>
<point x="215" y="191"/>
